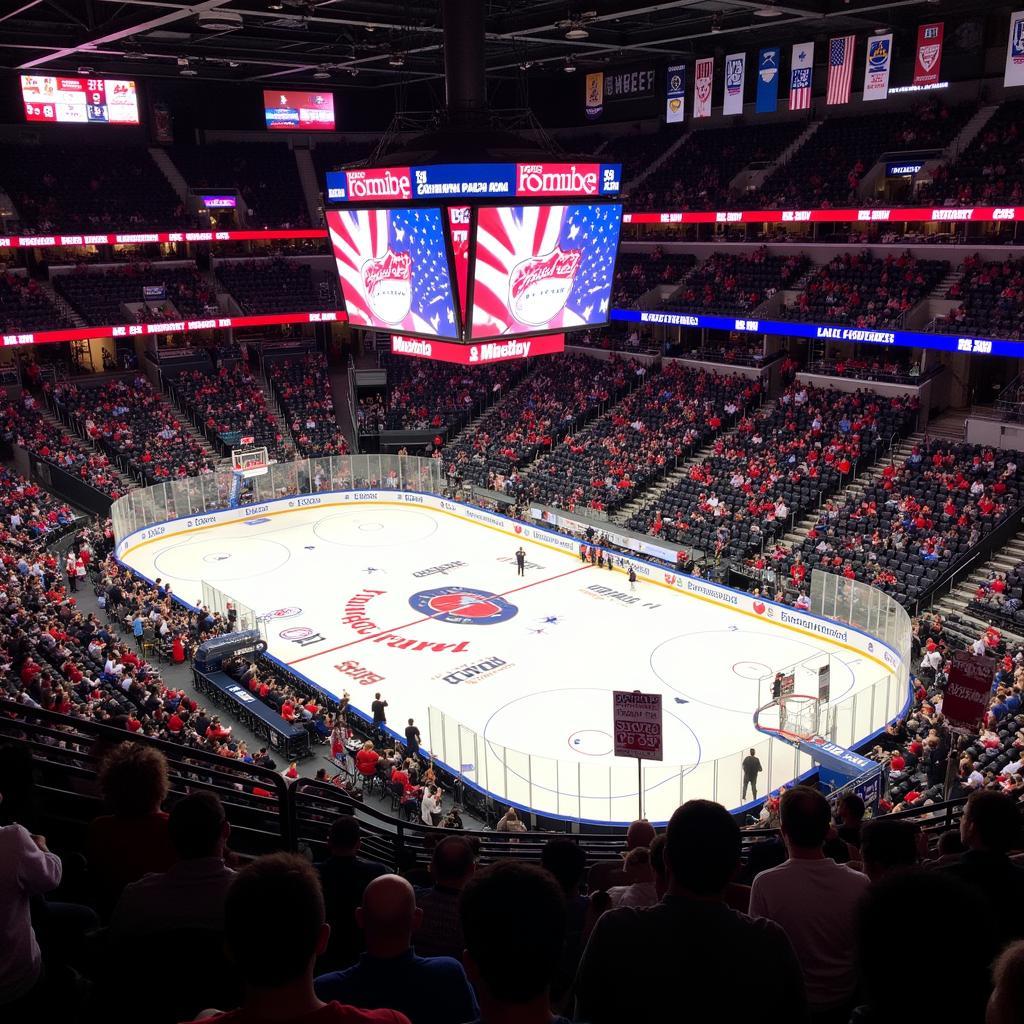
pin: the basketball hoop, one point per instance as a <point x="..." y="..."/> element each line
<point x="250" y="462"/>
<point x="798" y="717"/>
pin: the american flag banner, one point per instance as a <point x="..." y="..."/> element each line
<point x="840" y="69"/>
<point x="393" y="266"/>
<point x="801" y="69"/>
<point x="542" y="267"/>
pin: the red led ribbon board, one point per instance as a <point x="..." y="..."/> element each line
<point x="478" y="355"/>
<point x="173" y="327"/>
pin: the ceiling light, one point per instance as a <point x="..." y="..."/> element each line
<point x="233" y="64"/>
<point x="353" y="71"/>
<point x="188" y="72"/>
<point x="526" y="65"/>
<point x="275" y="5"/>
<point x="85" y="70"/>
<point x="570" y="65"/>
<point x="767" y="12"/>
<point x="577" y="32"/>
<point x="716" y="22"/>
<point x="321" y="73"/>
<point x="397" y="60"/>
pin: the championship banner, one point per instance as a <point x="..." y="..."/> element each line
<point x="735" y="69"/>
<point x="675" y="95"/>
<point x="876" y="70"/>
<point x="801" y="70"/>
<point x="928" y="59"/>
<point x="702" y="87"/>
<point x="1015" y="51"/>
<point x="595" y="95"/>
<point x="768" y="80"/>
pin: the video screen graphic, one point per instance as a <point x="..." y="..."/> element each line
<point x="538" y="268"/>
<point x="394" y="271"/>
<point x="298" y="111"/>
<point x="59" y="100"/>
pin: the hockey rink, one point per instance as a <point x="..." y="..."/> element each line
<point x="426" y="607"/>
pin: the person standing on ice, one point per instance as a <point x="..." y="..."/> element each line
<point x="632" y="578"/>
<point x="520" y="562"/>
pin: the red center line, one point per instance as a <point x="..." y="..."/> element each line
<point x="427" y="618"/>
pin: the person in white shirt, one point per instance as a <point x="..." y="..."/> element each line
<point x="29" y="869"/>
<point x="639" y="890"/>
<point x="430" y="806"/>
<point x="978" y="647"/>
<point x="815" y="901"/>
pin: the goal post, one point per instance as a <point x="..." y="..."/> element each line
<point x="810" y="676"/>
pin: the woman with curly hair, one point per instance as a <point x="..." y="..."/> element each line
<point x="132" y="840"/>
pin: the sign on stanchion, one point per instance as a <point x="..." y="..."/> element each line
<point x="637" y="729"/>
<point x="965" y="702"/>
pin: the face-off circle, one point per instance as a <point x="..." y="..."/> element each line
<point x="463" y="606"/>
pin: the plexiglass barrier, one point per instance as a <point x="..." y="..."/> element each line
<point x="581" y="789"/>
<point x="178" y="499"/>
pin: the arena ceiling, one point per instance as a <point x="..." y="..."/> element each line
<point x="375" y="43"/>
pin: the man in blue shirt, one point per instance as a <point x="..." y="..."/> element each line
<point x="389" y="975"/>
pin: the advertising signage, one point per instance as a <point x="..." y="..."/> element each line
<point x="478" y="355"/>
<point x="468" y="181"/>
<point x="174" y="327"/>
<point x="894" y="215"/>
<point x="827" y="332"/>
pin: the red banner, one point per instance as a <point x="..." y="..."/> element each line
<point x="479" y="354"/>
<point x="928" y="59"/>
<point x="172" y="327"/>
<point x="966" y="698"/>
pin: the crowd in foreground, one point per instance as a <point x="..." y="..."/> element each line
<point x="793" y="928"/>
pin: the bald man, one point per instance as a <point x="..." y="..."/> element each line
<point x="606" y="873"/>
<point x="389" y="975"/>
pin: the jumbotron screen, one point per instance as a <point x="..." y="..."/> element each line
<point x="395" y="271"/>
<point x="60" y="100"/>
<point x="535" y="269"/>
<point x="298" y="111"/>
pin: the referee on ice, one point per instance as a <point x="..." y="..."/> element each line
<point x="520" y="562"/>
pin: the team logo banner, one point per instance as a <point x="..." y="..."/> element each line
<point x="1015" y="51"/>
<point x="675" y="99"/>
<point x="702" y="87"/>
<point x="801" y="70"/>
<point x="595" y="95"/>
<point x="735" y="69"/>
<point x="768" y="79"/>
<point x="876" y="71"/>
<point x="928" y="61"/>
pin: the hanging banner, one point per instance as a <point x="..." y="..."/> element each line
<point x="876" y="71"/>
<point x="768" y="80"/>
<point x="928" y="61"/>
<point x="163" y="126"/>
<point x="840" y="69"/>
<point x="675" y="94"/>
<point x="595" y="95"/>
<point x="702" y="87"/>
<point x="1015" y="51"/>
<point x="968" y="692"/>
<point x="735" y="69"/>
<point x="801" y="69"/>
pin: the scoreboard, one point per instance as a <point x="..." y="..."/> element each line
<point x="60" y="100"/>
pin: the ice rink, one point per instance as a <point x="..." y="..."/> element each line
<point x="426" y="607"/>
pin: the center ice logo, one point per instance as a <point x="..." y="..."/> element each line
<point x="463" y="606"/>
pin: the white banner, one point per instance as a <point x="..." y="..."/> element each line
<point x="1015" y="51"/>
<point x="735" y="71"/>
<point x="702" y="87"/>
<point x="876" y="68"/>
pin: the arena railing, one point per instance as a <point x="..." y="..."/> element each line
<point x="66" y="753"/>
